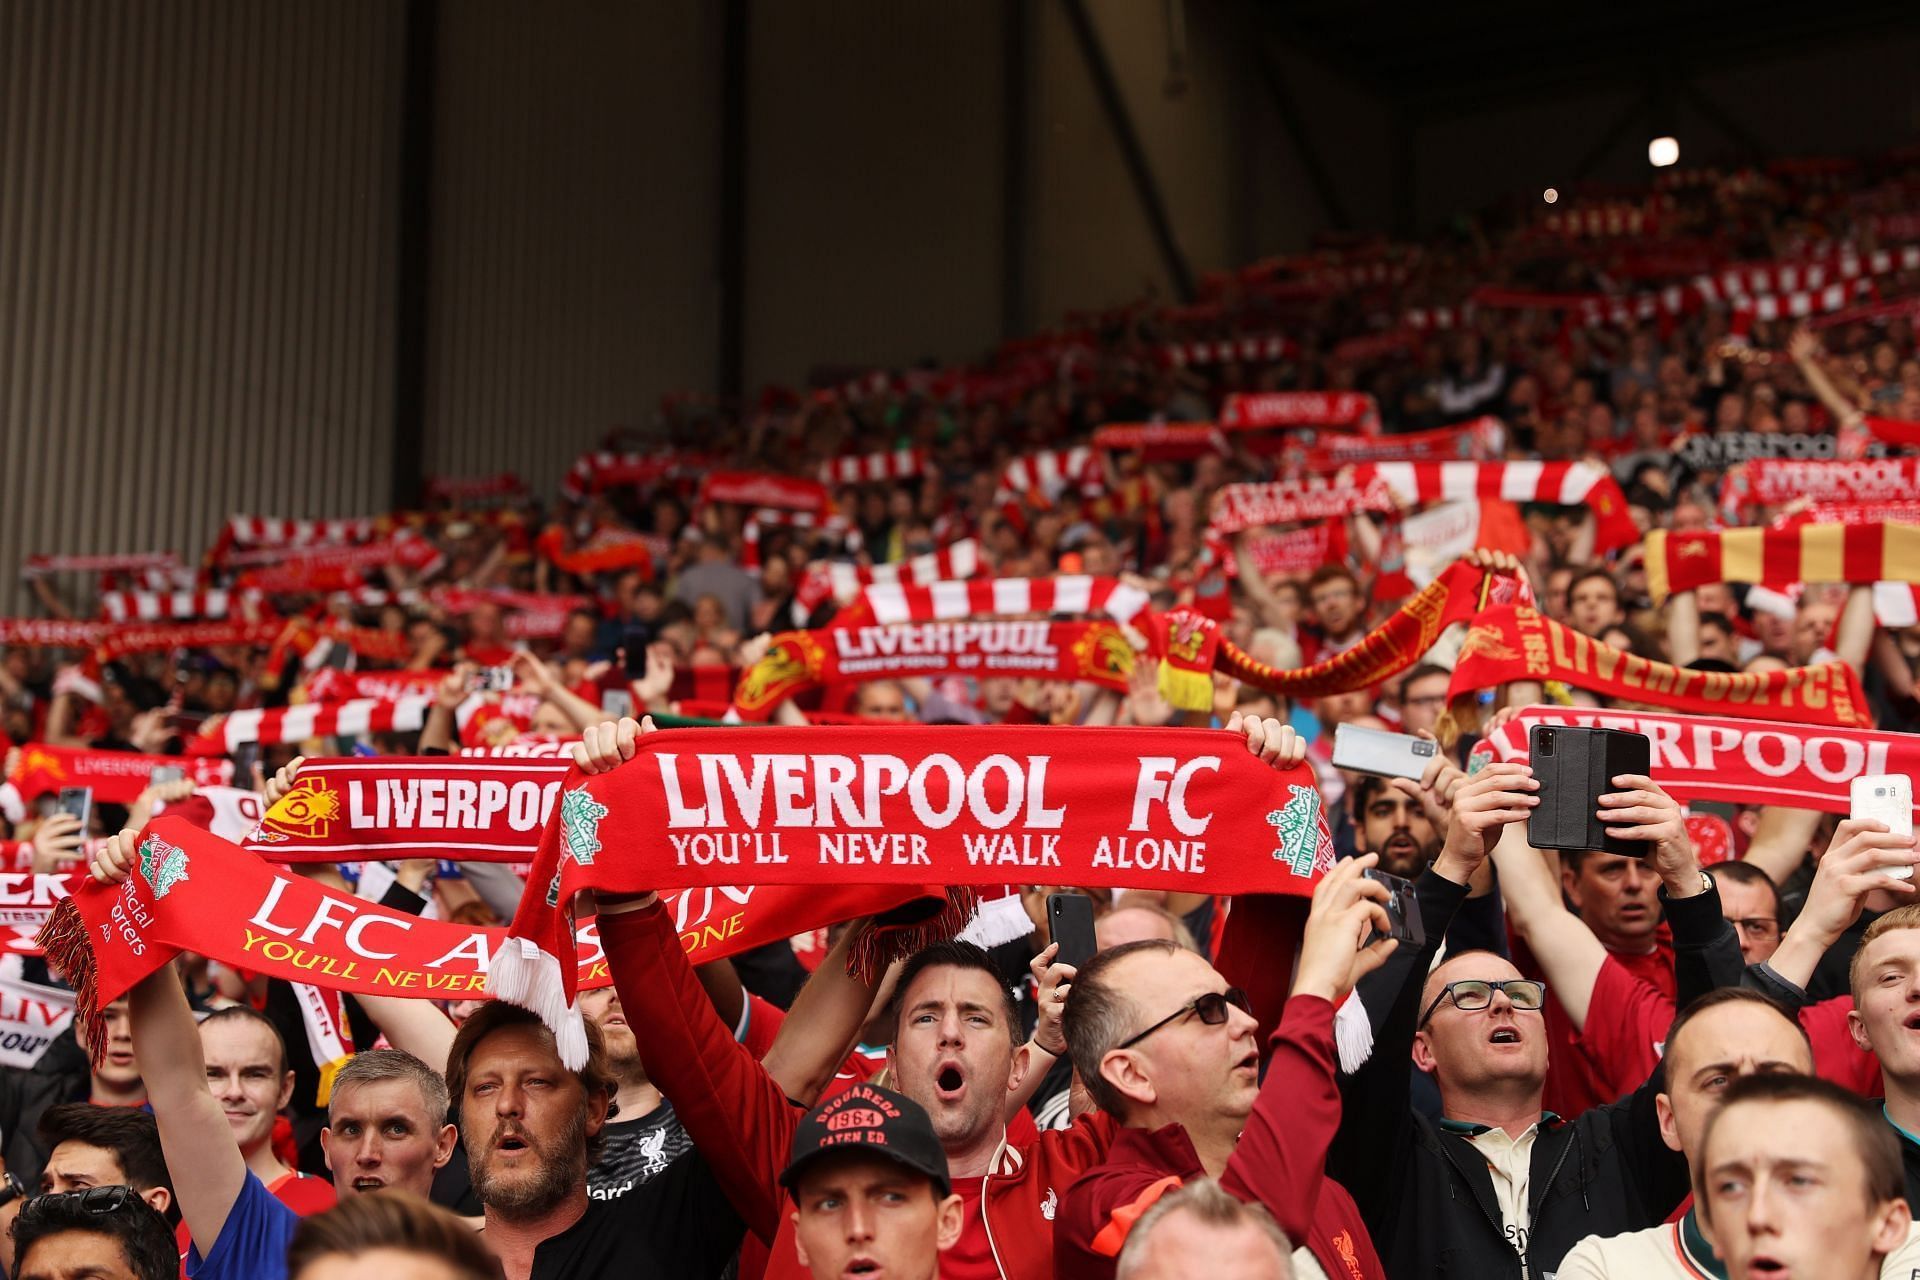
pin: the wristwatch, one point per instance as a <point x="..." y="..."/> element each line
<point x="10" y="1189"/>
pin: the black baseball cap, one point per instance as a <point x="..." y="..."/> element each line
<point x="873" y="1121"/>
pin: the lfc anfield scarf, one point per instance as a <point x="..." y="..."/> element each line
<point x="1780" y="557"/>
<point x="1480" y="440"/>
<point x="118" y="641"/>
<point x="1161" y="441"/>
<point x="471" y="809"/>
<point x="1242" y="506"/>
<point x="193" y="891"/>
<point x="1520" y="643"/>
<point x="1253" y="412"/>
<point x="1571" y="484"/>
<point x="1186" y="809"/>
<point x="52" y="633"/>
<point x="1735" y="761"/>
<point x="765" y="489"/>
<point x="116" y="777"/>
<point x="799" y="660"/>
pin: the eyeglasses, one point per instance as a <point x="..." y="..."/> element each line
<point x="1473" y="994"/>
<point x="1759" y="928"/>
<point x="94" y="1201"/>
<point x="1212" y="1008"/>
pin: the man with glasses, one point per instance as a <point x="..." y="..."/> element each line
<point x="1339" y="606"/>
<point x="105" y="1233"/>
<point x="1186" y="1086"/>
<point x="1499" y="1186"/>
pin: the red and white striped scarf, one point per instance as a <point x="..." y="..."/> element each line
<point x="123" y="562"/>
<point x="1247" y="349"/>
<point x="1049" y="473"/>
<point x="156" y="606"/>
<point x="871" y="468"/>
<point x="1570" y="484"/>
<point x="1257" y="410"/>
<point x="844" y="582"/>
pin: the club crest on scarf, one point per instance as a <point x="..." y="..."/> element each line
<point x="580" y="816"/>
<point x="1296" y="823"/>
<point x="307" y="811"/>
<point x="162" y="865"/>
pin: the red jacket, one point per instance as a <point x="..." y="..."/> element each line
<point x="1280" y="1162"/>
<point x="743" y="1124"/>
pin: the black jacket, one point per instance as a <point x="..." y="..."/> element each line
<point x="1425" y="1192"/>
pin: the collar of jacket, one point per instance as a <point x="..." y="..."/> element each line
<point x="1468" y="1129"/>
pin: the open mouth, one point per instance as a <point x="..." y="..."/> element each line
<point x="1764" y="1266"/>
<point x="861" y="1267"/>
<point x="949" y="1081"/>
<point x="1504" y="1035"/>
<point x="511" y="1142"/>
<point x="368" y="1183"/>
<point x="1913" y="1021"/>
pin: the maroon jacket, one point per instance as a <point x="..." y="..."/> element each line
<point x="743" y="1124"/>
<point x="1280" y="1162"/>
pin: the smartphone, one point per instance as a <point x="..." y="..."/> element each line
<point x="1403" y="910"/>
<point x="633" y="643"/>
<point x="1575" y="767"/>
<point x="1375" y="751"/>
<point x="245" y="756"/>
<point x="164" y="773"/>
<point x="1070" y="918"/>
<point x="494" y="680"/>
<point x="77" y="801"/>
<point x="616" y="702"/>
<point x="1888" y="798"/>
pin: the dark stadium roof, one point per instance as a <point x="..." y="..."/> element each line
<point x="1460" y="54"/>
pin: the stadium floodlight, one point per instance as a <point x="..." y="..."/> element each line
<point x="1663" y="151"/>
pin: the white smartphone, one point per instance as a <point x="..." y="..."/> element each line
<point x="1888" y="798"/>
<point x="1390" y="755"/>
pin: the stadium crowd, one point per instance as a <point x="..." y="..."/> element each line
<point x="1638" y="461"/>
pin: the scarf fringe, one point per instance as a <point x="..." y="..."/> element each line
<point x="877" y="949"/>
<point x="998" y="921"/>
<point x="524" y="974"/>
<point x="69" y="954"/>
<point x="1352" y="1034"/>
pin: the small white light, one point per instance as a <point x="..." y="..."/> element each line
<point x="1662" y="152"/>
<point x="1550" y="195"/>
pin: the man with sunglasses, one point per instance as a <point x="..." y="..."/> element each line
<point x="1186" y="1086"/>
<point x="1499" y="1186"/>
<point x="103" y="1233"/>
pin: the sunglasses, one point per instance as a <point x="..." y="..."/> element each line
<point x="94" y="1201"/>
<point x="1470" y="995"/>
<point x="1211" y="1008"/>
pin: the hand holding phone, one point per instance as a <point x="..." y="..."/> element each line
<point x="77" y="801"/>
<point x="1885" y="798"/>
<point x="165" y="773"/>
<point x="1386" y="755"/>
<point x="1575" y="767"/>
<point x="1403" y="910"/>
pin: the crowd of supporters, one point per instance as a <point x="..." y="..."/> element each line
<point x="1586" y="1063"/>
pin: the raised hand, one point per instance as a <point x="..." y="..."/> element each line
<point x="56" y="843"/>
<point x="1642" y="812"/>
<point x="1482" y="807"/>
<point x="1273" y="741"/>
<point x="606" y="746"/>
<point x="1052" y="982"/>
<point x="1348" y="910"/>
<point x="282" y="782"/>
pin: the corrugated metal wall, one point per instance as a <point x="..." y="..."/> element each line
<point x="575" y="221"/>
<point x="196" y="266"/>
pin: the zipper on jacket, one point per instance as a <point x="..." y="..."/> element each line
<point x="1499" y="1228"/>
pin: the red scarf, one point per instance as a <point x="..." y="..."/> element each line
<point x="1162" y="441"/>
<point x="1187" y="809"/>
<point x="330" y="684"/>
<point x="799" y="660"/>
<point x="1735" y="761"/>
<point x="1851" y="513"/>
<point x="1259" y="410"/>
<point x="117" y="777"/>
<point x="127" y="562"/>
<point x="1894" y="431"/>
<point x="1781" y="557"/>
<point x="158" y="606"/>
<point x="117" y="642"/>
<point x="193" y="891"/>
<point x="1242" y="506"/>
<point x="1571" y="484"/>
<point x="1297" y="551"/>
<point x="52" y="633"/>
<point x="839" y="580"/>
<point x="1477" y="441"/>
<point x="1520" y="643"/>
<point x="357" y="808"/>
<point x="765" y="489"/>
<point x="1772" y="481"/>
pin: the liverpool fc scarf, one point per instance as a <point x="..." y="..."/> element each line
<point x="192" y="891"/>
<point x="799" y="660"/>
<point x="1480" y="440"/>
<point x="1161" y="441"/>
<point x="1509" y="644"/>
<point x="1780" y="557"/>
<point x="1571" y="484"/>
<point x="1257" y="411"/>
<point x="765" y="489"/>
<point x="1735" y="761"/>
<point x="116" y="777"/>
<point x="1187" y="809"/>
<point x="1242" y="506"/>
<point x="1850" y="513"/>
<point x="942" y="601"/>
<point x="1770" y="481"/>
<point x="465" y="808"/>
<point x="873" y="468"/>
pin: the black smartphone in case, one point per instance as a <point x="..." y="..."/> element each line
<point x="1070" y="920"/>
<point x="1575" y="767"/>
<point x="1403" y="911"/>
